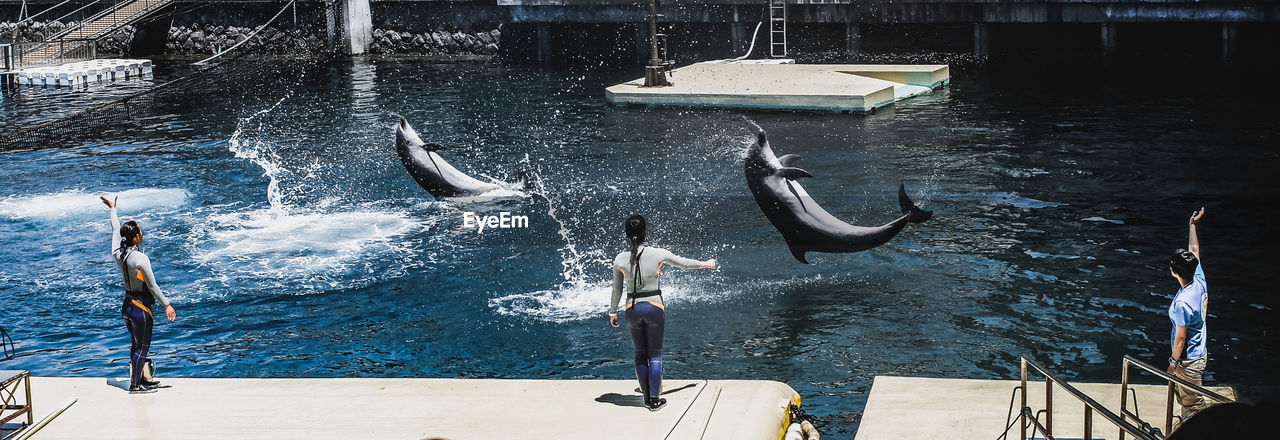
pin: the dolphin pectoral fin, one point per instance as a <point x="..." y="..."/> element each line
<point x="432" y="146"/>
<point x="793" y="173"/>
<point x="797" y="252"/>
<point x="914" y="213"/>
<point x="787" y="159"/>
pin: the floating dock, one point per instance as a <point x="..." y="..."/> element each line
<point x="964" y="409"/>
<point x="83" y="73"/>
<point x="410" y="408"/>
<point x="749" y="85"/>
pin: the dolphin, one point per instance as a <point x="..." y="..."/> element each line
<point x="804" y="225"/>
<point x="434" y="174"/>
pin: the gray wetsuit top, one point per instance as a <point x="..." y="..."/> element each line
<point x="651" y="261"/>
<point x="135" y="266"/>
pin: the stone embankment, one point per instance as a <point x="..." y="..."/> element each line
<point x="435" y="43"/>
<point x="199" y="39"/>
<point x="204" y="39"/>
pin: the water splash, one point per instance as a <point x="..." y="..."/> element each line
<point x="263" y="154"/>
<point x="577" y="296"/>
<point x="69" y="203"/>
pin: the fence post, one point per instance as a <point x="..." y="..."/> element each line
<point x="1124" y="394"/>
<point x="1022" y="413"/>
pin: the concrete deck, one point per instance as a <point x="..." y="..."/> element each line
<point x="823" y="87"/>
<point x="917" y="408"/>
<point x="409" y="408"/>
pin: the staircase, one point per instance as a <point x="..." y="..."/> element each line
<point x="78" y="38"/>
<point x="778" y="28"/>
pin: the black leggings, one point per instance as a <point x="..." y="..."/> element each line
<point x="139" y="320"/>
<point x="646" y="322"/>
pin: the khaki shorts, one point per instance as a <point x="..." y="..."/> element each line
<point x="1192" y="371"/>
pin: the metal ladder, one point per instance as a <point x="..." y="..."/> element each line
<point x="778" y="28"/>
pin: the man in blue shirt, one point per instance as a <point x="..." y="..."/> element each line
<point x="1189" y="357"/>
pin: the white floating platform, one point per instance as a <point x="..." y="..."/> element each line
<point x="84" y="73"/>
<point x="410" y="408"/>
<point x="964" y="409"/>
<point x="782" y="86"/>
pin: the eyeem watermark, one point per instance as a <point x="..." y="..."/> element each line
<point x="504" y="220"/>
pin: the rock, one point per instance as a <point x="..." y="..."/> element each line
<point x="490" y="49"/>
<point x="485" y="37"/>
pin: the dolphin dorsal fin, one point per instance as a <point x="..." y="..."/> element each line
<point x="793" y="173"/>
<point x="432" y="146"/>
<point x="787" y="159"/>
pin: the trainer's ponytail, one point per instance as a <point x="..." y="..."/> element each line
<point x="129" y="232"/>
<point x="636" y="229"/>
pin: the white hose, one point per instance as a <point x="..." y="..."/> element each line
<point x="753" y="42"/>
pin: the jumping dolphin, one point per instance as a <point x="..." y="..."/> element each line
<point x="433" y="173"/>
<point x="804" y="225"/>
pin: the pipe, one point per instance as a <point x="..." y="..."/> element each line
<point x="27" y="433"/>
<point x="753" y="42"/>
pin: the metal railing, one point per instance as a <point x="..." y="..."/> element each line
<point x="1090" y="407"/>
<point x="68" y="50"/>
<point x="99" y="17"/>
<point x="1130" y="361"/>
<point x="6" y="53"/>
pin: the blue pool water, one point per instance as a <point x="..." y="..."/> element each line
<point x="294" y="244"/>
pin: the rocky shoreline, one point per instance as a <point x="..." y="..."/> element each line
<point x="435" y="43"/>
<point x="203" y="39"/>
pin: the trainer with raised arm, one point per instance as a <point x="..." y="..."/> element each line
<point x="637" y="272"/>
<point x="1189" y="356"/>
<point x="140" y="293"/>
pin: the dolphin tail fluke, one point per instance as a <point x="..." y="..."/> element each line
<point x="914" y="213"/>
<point x="797" y="252"/>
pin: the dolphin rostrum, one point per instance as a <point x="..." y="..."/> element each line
<point x="804" y="225"/>
<point x="433" y="173"/>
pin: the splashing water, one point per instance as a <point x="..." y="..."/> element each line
<point x="577" y="296"/>
<point x="297" y="249"/>
<point x="68" y="203"/>
<point x="261" y="153"/>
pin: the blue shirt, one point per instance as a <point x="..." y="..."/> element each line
<point x="1188" y="310"/>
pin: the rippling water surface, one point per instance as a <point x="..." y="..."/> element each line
<point x="293" y="243"/>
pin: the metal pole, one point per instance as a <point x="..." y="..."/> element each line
<point x="1168" y="410"/>
<point x="1124" y="394"/>
<point x="30" y="412"/>
<point x="654" y="76"/>
<point x="1048" y="407"/>
<point x="1022" y="410"/>
<point x="1088" y="423"/>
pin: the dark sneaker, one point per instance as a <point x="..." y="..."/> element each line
<point x="141" y="389"/>
<point x="152" y="384"/>
<point x="656" y="404"/>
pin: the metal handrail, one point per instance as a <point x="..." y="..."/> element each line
<point x="1130" y="361"/>
<point x="1090" y="406"/>
<point x="86" y="5"/>
<point x="93" y="18"/>
<point x="112" y="8"/>
<point x="30" y="17"/>
<point x="68" y="49"/>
